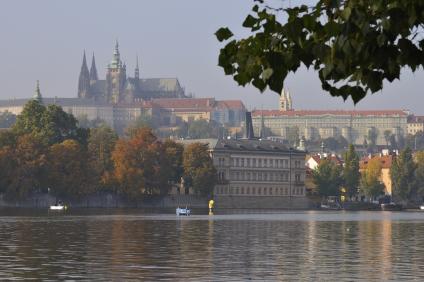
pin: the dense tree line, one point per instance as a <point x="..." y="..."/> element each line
<point x="407" y="176"/>
<point x="46" y="151"/>
<point x="332" y="179"/>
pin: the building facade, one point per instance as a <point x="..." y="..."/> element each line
<point x="312" y="125"/>
<point x="415" y="124"/>
<point x="254" y="173"/>
<point x="354" y="126"/>
<point x="259" y="168"/>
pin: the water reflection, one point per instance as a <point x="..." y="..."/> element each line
<point x="269" y="246"/>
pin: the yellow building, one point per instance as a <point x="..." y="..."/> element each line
<point x="386" y="164"/>
<point x="415" y="124"/>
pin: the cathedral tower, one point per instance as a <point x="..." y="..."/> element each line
<point x="93" y="70"/>
<point x="285" y="101"/>
<point x="84" y="80"/>
<point x="115" y="77"/>
<point x="137" y="71"/>
<point x="37" y="95"/>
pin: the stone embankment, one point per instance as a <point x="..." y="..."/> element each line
<point x="108" y="201"/>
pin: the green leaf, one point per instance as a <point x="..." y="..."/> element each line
<point x="250" y="21"/>
<point x="223" y="34"/>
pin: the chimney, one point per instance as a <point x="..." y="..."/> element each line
<point x="249" y="134"/>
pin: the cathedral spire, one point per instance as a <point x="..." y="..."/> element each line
<point x="93" y="69"/>
<point x="84" y="79"/>
<point x="116" y="60"/>
<point x="137" y="70"/>
<point x="37" y="95"/>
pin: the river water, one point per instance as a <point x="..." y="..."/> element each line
<point x="118" y="245"/>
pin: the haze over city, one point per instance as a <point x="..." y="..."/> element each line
<point x="45" y="40"/>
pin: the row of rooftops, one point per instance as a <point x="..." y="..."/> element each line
<point x="294" y="113"/>
<point x="205" y="104"/>
<point x="244" y="145"/>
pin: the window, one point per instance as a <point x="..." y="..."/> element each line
<point x="259" y="191"/>
<point x="259" y="162"/>
<point x="265" y="190"/>
<point x="270" y="190"/>
<point x="271" y="163"/>
<point x="248" y="162"/>
<point x="265" y="176"/>
<point x="242" y="162"/>
<point x="237" y="190"/>
<point x="297" y="164"/>
<point x="297" y="177"/>
<point x="254" y="162"/>
<point x="254" y="176"/>
<point x="242" y="190"/>
<point x="248" y="190"/>
<point x="248" y="176"/>
<point x="265" y="162"/>
<point x="253" y="190"/>
<point x="237" y="175"/>
<point x="237" y="162"/>
<point x="286" y="163"/>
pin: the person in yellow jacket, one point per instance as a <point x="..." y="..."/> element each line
<point x="211" y="203"/>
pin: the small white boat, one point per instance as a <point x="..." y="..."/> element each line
<point x="422" y="207"/>
<point x="58" y="207"/>
<point x="182" y="211"/>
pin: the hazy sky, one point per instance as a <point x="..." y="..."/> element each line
<point x="45" y="40"/>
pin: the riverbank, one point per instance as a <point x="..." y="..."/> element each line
<point x="108" y="201"/>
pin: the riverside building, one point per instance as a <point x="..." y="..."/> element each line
<point x="355" y="126"/>
<point x="256" y="173"/>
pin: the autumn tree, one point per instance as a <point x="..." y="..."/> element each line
<point x="354" y="45"/>
<point x="26" y="168"/>
<point x="69" y="173"/>
<point x="402" y="174"/>
<point x="8" y="138"/>
<point x="370" y="184"/>
<point x="140" y="164"/>
<point x="327" y="178"/>
<point x="174" y="153"/>
<point x="199" y="171"/>
<point x="351" y="174"/>
<point x="101" y="143"/>
<point x="7" y="167"/>
<point x="419" y="172"/>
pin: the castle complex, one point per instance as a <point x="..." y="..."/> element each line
<point x="119" y="88"/>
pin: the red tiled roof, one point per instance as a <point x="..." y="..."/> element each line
<point x="386" y="161"/>
<point x="185" y="103"/>
<point x="331" y="158"/>
<point x="230" y="104"/>
<point x="276" y="113"/>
